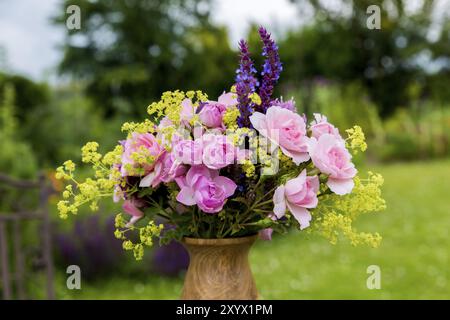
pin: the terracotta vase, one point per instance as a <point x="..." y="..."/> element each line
<point x="219" y="269"/>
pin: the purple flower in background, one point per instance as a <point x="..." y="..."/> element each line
<point x="290" y="104"/>
<point x="91" y="245"/>
<point x="271" y="69"/>
<point x="246" y="84"/>
<point x="170" y="259"/>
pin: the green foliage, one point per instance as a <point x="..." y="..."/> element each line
<point x="338" y="45"/>
<point x="13" y="147"/>
<point x="16" y="157"/>
<point x="29" y="95"/>
<point x="132" y="51"/>
<point x="70" y="119"/>
<point x="416" y="134"/>
<point x="344" y="105"/>
<point x="419" y="132"/>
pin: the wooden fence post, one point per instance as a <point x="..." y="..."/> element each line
<point x="42" y="214"/>
<point x="20" y="262"/>
<point x="44" y="194"/>
<point x="6" y="283"/>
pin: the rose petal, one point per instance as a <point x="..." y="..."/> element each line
<point x="340" y="186"/>
<point x="258" y="120"/>
<point x="151" y="178"/>
<point x="132" y="221"/>
<point x="195" y="173"/>
<point x="181" y="182"/>
<point x="186" y="196"/>
<point x="226" y="183"/>
<point x="279" y="202"/>
<point x="129" y="208"/>
<point x="228" y="99"/>
<point x="297" y="157"/>
<point x="300" y="214"/>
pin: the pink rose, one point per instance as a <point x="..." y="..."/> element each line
<point x="187" y="111"/>
<point x="205" y="188"/>
<point x="131" y="207"/>
<point x="211" y="113"/>
<point x="218" y="151"/>
<point x="284" y="128"/>
<point x="171" y="168"/>
<point x="135" y="143"/>
<point x="330" y="156"/>
<point x="166" y="170"/>
<point x="188" y="152"/>
<point x="321" y="126"/>
<point x="297" y="195"/>
<point x="153" y="179"/>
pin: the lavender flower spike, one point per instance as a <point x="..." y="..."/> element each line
<point x="246" y="84"/>
<point x="271" y="69"/>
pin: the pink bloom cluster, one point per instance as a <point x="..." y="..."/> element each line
<point x="246" y="163"/>
<point x="215" y="151"/>
<point x="194" y="161"/>
<point x="205" y="188"/>
<point x="298" y="195"/>
<point x="324" y="147"/>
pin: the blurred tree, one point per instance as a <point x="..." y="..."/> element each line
<point x="129" y="51"/>
<point x="16" y="158"/>
<point x="338" y="45"/>
<point x="29" y="95"/>
<point x="55" y="131"/>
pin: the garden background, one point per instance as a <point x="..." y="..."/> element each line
<point x="394" y="82"/>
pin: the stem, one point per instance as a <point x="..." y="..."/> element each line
<point x="162" y="212"/>
<point x="260" y="204"/>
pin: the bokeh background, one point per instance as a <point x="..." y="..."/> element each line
<point x="60" y="88"/>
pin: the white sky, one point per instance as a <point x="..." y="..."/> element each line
<point x="31" y="41"/>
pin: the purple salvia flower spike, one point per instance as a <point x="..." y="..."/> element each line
<point x="271" y="69"/>
<point x="246" y="84"/>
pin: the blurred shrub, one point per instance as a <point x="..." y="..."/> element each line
<point x="420" y="132"/>
<point x="338" y="45"/>
<point x="58" y="130"/>
<point x="29" y="97"/>
<point x="16" y="157"/>
<point x="344" y="106"/>
<point x="411" y="135"/>
<point x="13" y="147"/>
<point x="132" y="51"/>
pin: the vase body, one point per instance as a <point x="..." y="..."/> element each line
<point x="219" y="269"/>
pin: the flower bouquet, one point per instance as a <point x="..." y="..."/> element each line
<point x="213" y="174"/>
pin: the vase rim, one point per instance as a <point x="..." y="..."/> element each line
<point x="221" y="241"/>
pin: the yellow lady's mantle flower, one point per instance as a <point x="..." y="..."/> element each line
<point x="356" y="139"/>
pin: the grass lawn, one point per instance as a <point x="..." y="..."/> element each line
<point x="413" y="258"/>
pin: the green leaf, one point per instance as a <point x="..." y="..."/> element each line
<point x="145" y="192"/>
